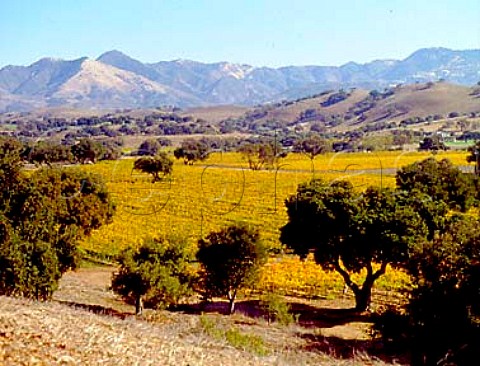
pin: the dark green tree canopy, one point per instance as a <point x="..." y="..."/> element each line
<point x="10" y="169"/>
<point x="47" y="153"/>
<point x="441" y="322"/>
<point x="441" y="180"/>
<point x="156" y="165"/>
<point x="433" y="143"/>
<point x="27" y="268"/>
<point x="149" y="148"/>
<point x="349" y="231"/>
<point x="191" y="151"/>
<point x="230" y="259"/>
<point x="59" y="207"/>
<point x="110" y="149"/>
<point x="42" y="218"/>
<point x="86" y="150"/>
<point x="158" y="274"/>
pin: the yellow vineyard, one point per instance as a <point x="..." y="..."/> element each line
<point x="222" y="190"/>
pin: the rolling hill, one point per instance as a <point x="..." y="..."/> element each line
<point x="351" y="109"/>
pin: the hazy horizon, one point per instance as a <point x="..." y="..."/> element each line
<point x="94" y="57"/>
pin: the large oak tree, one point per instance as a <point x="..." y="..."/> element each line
<point x="349" y="232"/>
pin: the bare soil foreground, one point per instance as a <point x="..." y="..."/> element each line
<point x="86" y="325"/>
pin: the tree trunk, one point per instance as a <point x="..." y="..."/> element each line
<point x="363" y="297"/>
<point x="139" y="305"/>
<point x="231" y="302"/>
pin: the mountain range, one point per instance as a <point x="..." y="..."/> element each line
<point x="115" y="80"/>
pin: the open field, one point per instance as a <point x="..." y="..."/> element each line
<point x="204" y="197"/>
<point x="221" y="190"/>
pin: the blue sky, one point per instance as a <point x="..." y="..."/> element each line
<point x="260" y="33"/>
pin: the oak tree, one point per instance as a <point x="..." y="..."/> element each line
<point x="157" y="165"/>
<point x="349" y="232"/>
<point x="157" y="275"/>
<point x="231" y="259"/>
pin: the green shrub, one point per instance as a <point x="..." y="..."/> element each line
<point x="277" y="309"/>
<point x="246" y="342"/>
<point x="42" y="217"/>
<point x="157" y="275"/>
<point x="28" y="269"/>
<point x="237" y="339"/>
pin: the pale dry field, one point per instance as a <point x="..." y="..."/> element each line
<point x="86" y="325"/>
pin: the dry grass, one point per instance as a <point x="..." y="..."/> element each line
<point x="215" y="114"/>
<point x="414" y="100"/>
<point x="47" y="334"/>
<point x="87" y="325"/>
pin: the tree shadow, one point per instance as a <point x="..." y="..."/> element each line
<point x="341" y="348"/>
<point x="307" y="316"/>
<point x="313" y="317"/>
<point x="96" y="309"/>
<point x="319" y="317"/>
<point x="249" y="308"/>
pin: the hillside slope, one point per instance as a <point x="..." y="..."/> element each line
<point x="87" y="325"/>
<point x="47" y="334"/>
<point x="103" y="86"/>
<point x="356" y="108"/>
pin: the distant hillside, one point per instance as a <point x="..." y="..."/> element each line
<point x="355" y="108"/>
<point x="116" y="80"/>
<point x="82" y="83"/>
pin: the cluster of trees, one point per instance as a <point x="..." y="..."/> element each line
<point x="267" y="152"/>
<point x="259" y="153"/>
<point x="160" y="273"/>
<point x="262" y="155"/>
<point x="42" y="217"/>
<point x="47" y="153"/>
<point x="335" y="98"/>
<point x="168" y="122"/>
<point x="419" y="227"/>
<point x="435" y="117"/>
<point x="83" y="151"/>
